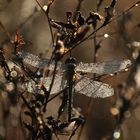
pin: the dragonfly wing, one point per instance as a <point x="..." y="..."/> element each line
<point x="57" y="86"/>
<point x="34" y="60"/>
<point x="108" y="67"/>
<point x="94" y="89"/>
<point x="30" y="59"/>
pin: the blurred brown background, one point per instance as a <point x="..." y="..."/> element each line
<point x="26" y="14"/>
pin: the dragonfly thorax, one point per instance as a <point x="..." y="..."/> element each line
<point x="70" y="65"/>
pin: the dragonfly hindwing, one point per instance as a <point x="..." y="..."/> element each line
<point x="94" y="89"/>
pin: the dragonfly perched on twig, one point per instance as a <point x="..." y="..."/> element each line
<point x="83" y="84"/>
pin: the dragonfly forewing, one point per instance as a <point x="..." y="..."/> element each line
<point x="109" y="67"/>
<point x="34" y="60"/>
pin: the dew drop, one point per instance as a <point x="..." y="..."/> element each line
<point x="114" y="111"/>
<point x="106" y="35"/>
<point x="45" y="7"/>
<point x="126" y="70"/>
<point x="136" y="44"/>
<point x="117" y="134"/>
<point x="127" y="114"/>
<point x="13" y="74"/>
<point x="112" y="74"/>
<point x="10" y="86"/>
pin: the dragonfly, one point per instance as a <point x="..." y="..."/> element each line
<point x="83" y="85"/>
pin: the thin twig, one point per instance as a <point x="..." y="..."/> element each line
<point x="73" y="132"/>
<point x="5" y="30"/>
<point x="57" y="94"/>
<point x="47" y="15"/>
<point x="99" y="3"/>
<point x="27" y="104"/>
<point x="51" y="85"/>
<point x="78" y="7"/>
<point x="21" y="25"/>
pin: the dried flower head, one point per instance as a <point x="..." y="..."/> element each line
<point x="18" y="40"/>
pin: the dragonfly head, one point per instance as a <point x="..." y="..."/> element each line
<point x="70" y="60"/>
